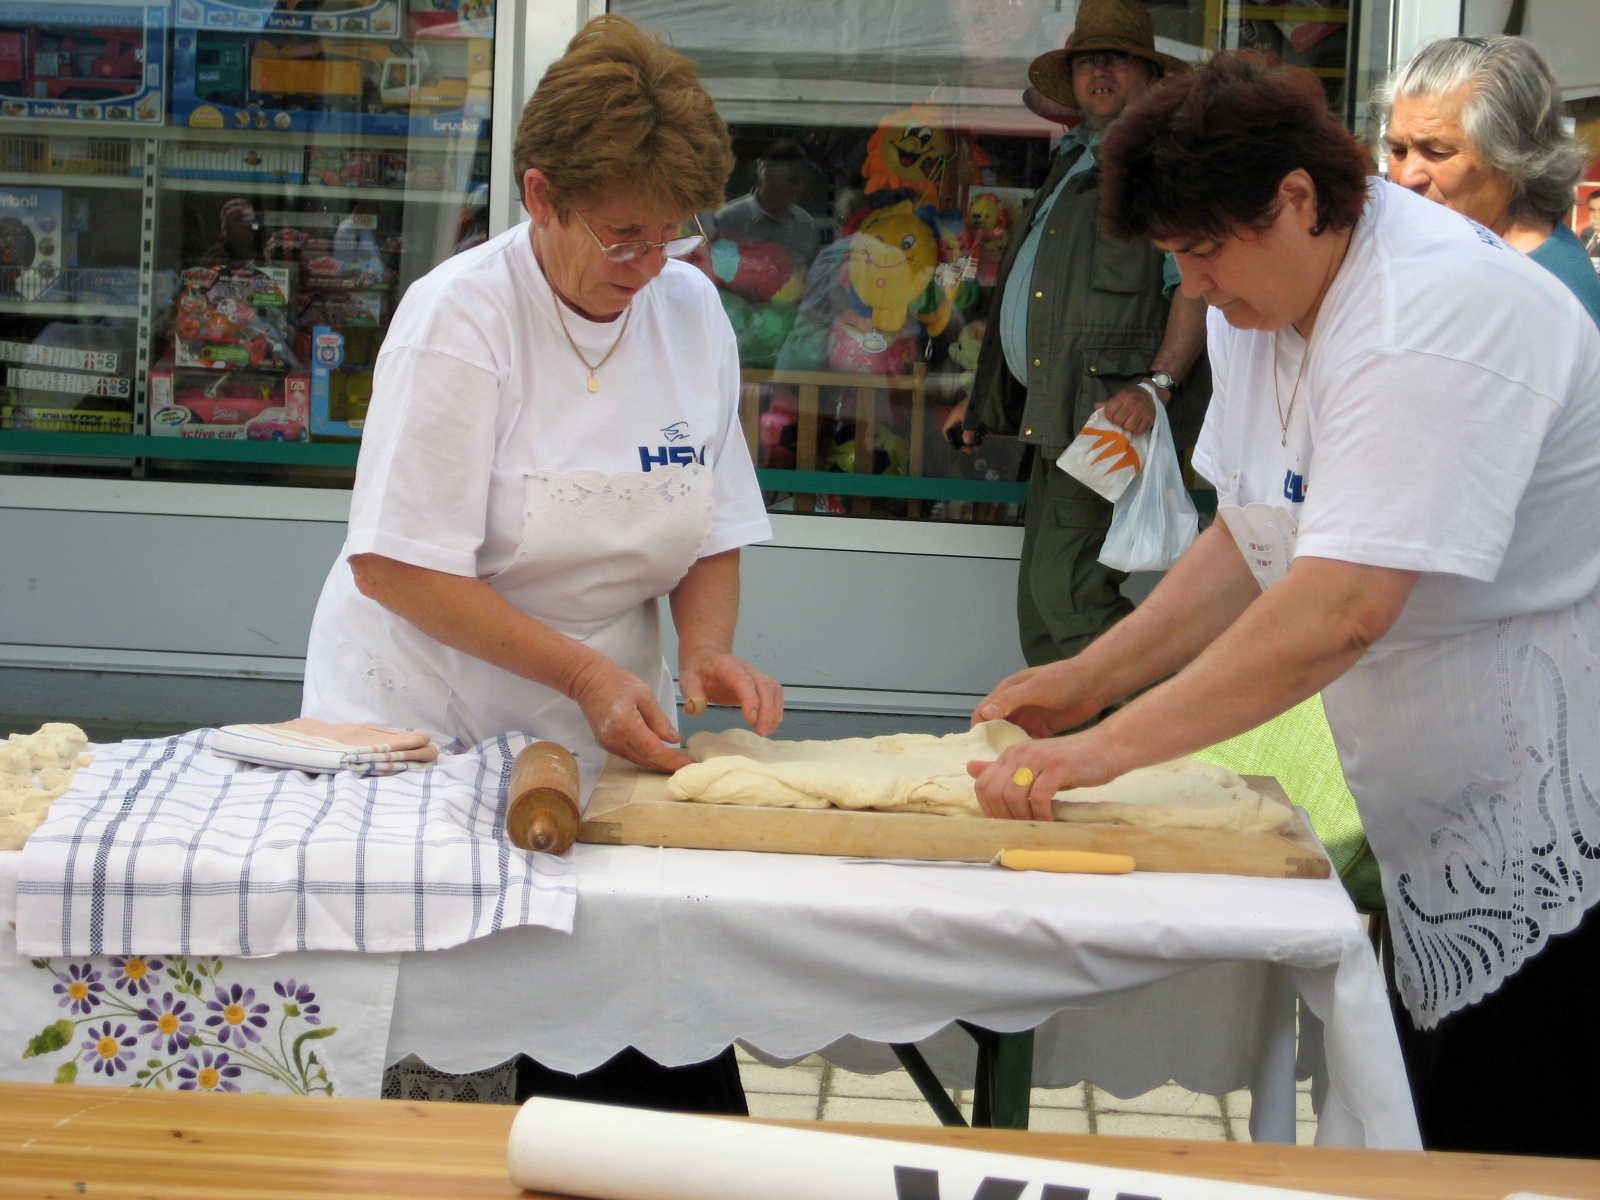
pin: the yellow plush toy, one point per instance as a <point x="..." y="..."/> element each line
<point x="892" y="260"/>
<point x="914" y="149"/>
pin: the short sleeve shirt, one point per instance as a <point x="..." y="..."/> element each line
<point x="1447" y="421"/>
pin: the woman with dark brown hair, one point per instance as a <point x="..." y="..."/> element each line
<point x="1405" y="441"/>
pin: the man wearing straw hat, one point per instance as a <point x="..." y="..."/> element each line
<point x="1079" y="321"/>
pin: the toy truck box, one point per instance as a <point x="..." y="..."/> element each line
<point x="70" y="61"/>
<point x="233" y="317"/>
<point x="380" y="18"/>
<point x="237" y="406"/>
<point x="331" y="85"/>
<point x="451" y="18"/>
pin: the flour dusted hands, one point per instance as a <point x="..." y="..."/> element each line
<point x="625" y="717"/>
<point x="717" y="677"/>
<point x="1043" y="700"/>
<point x="1051" y="765"/>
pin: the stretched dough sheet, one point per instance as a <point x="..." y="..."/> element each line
<point x="923" y="773"/>
<point x="570" y="1148"/>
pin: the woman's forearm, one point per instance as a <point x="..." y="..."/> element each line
<point x="1292" y="641"/>
<point x="468" y="615"/>
<point x="1204" y="593"/>
<point x="705" y="606"/>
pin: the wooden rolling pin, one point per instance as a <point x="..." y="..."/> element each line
<point x="543" y="813"/>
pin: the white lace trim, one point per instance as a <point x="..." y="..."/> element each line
<point x="387" y="689"/>
<point x="581" y="495"/>
<point x="1507" y="871"/>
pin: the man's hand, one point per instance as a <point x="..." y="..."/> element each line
<point x="625" y="716"/>
<point x="1131" y="410"/>
<point x="720" y="678"/>
<point x="958" y="414"/>
<point x="1042" y="700"/>
<point x="1051" y="765"/>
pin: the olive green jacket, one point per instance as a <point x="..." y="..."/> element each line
<point x="1096" y="318"/>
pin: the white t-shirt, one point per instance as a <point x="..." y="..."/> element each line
<point x="477" y="388"/>
<point x="1448" y="422"/>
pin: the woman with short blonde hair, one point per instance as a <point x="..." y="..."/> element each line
<point x="553" y="444"/>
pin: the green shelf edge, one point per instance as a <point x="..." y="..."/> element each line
<point x="129" y="445"/>
<point x="324" y="454"/>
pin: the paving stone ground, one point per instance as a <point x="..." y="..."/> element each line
<point x="816" y="1090"/>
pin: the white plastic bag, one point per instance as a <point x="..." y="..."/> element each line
<point x="1154" y="521"/>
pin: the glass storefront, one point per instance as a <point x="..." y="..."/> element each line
<point x="209" y="209"/>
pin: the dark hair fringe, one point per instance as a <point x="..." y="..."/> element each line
<point x="1201" y="154"/>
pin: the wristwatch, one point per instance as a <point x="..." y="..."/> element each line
<point x="1163" y="380"/>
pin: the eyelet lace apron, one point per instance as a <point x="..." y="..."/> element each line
<point x="596" y="552"/>
<point x="1475" y="761"/>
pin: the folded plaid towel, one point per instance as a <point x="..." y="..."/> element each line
<point x="162" y="847"/>
<point x="321" y="749"/>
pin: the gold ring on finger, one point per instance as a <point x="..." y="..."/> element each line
<point x="1023" y="777"/>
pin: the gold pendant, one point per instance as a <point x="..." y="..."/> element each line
<point x="594" y="384"/>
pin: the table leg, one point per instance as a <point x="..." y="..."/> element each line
<point x="928" y="1084"/>
<point x="1004" y="1078"/>
<point x="1272" y="1083"/>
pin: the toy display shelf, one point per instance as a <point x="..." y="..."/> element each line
<point x="316" y="190"/>
<point x="68" y="182"/>
<point x="67" y="308"/>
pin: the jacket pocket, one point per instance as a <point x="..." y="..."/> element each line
<point x="1106" y="371"/>
<point x="1127" y="267"/>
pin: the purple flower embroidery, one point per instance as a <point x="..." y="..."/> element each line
<point x="80" y="988"/>
<point x="108" y="1049"/>
<point x="298" y="1000"/>
<point x="236" y="1015"/>
<point x="208" y="1072"/>
<point x="169" y="1021"/>
<point x="134" y="974"/>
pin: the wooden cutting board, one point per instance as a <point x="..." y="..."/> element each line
<point x="632" y="807"/>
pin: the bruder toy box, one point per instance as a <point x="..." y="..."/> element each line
<point x="242" y="65"/>
<point x="69" y="61"/>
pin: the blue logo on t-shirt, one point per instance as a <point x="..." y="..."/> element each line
<point x="661" y="456"/>
<point x="1294" y="487"/>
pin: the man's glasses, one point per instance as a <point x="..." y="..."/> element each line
<point x="622" y="252"/>
<point x="1109" y="60"/>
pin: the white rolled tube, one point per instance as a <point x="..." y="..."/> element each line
<point x="605" y="1153"/>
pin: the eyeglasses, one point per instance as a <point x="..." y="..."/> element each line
<point x="1109" y="60"/>
<point x="622" y="252"/>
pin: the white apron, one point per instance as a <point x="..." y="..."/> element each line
<point x="1475" y="764"/>
<point x="596" y="553"/>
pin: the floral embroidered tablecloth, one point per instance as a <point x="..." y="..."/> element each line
<point x="307" y="1024"/>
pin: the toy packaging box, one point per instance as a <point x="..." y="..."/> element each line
<point x="341" y="84"/>
<point x="250" y="164"/>
<point x="380" y="18"/>
<point x="452" y="18"/>
<point x="70" y="61"/>
<point x="34" y="244"/>
<point x="235" y="406"/>
<point x="340" y="394"/>
<point x="233" y="317"/>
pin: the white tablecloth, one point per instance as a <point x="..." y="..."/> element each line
<point x="1130" y="980"/>
<point x="1135" y="979"/>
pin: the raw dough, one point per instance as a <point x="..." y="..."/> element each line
<point x="55" y="752"/>
<point x="901" y="772"/>
<point x="915" y="772"/>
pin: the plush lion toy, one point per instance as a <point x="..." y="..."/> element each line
<point x="910" y="149"/>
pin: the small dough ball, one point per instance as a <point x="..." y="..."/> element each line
<point x="14" y="831"/>
<point x="15" y="760"/>
<point x="55" y="744"/>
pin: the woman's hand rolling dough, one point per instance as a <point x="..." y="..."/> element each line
<point x="1021" y="783"/>
<point x="716" y="677"/>
<point x="625" y="717"/>
<point x="1043" y="700"/>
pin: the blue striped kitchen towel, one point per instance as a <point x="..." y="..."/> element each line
<point x="161" y="847"/>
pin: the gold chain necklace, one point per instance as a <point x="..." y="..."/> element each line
<point x="1285" y="417"/>
<point x="594" y="384"/>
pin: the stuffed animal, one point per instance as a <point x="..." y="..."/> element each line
<point x="988" y="233"/>
<point x="759" y="272"/>
<point x="869" y="351"/>
<point x="964" y="350"/>
<point x="912" y="149"/>
<point x="891" y="264"/>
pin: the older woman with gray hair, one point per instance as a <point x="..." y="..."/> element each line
<point x="1475" y="124"/>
